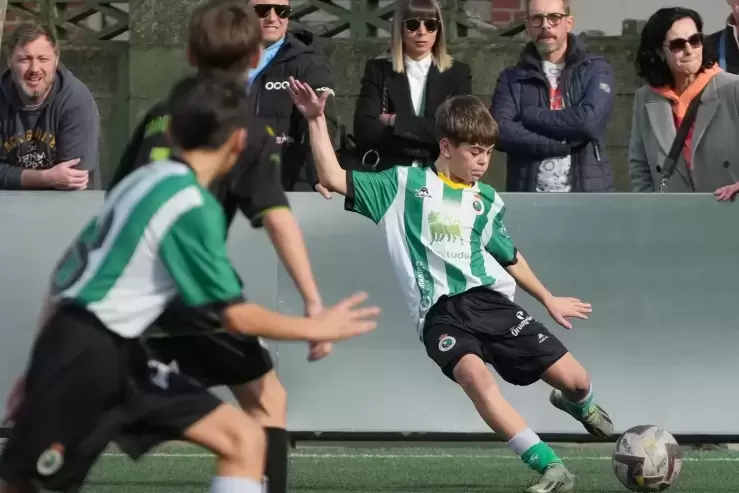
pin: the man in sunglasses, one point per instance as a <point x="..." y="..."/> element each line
<point x="553" y="107"/>
<point x="285" y="55"/>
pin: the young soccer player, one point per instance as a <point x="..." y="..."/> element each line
<point x="159" y="234"/>
<point x="446" y="238"/>
<point x="226" y="35"/>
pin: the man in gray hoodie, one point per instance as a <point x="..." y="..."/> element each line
<point x="49" y="121"/>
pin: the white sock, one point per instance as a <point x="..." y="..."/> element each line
<point x="523" y="441"/>
<point x="221" y="484"/>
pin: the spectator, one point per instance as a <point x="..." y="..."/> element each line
<point x="553" y="107"/>
<point x="50" y="124"/>
<point x="288" y="55"/>
<point x="725" y="42"/>
<point x="676" y="70"/>
<point x="401" y="90"/>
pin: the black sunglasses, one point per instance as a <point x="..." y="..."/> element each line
<point x="537" y="20"/>
<point x="677" y="45"/>
<point x="414" y="25"/>
<point x="263" y="10"/>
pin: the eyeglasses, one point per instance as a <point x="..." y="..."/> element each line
<point x="414" y="24"/>
<point x="676" y="45"/>
<point x="263" y="10"/>
<point x="537" y="20"/>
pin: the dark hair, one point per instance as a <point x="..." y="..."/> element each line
<point x="28" y="32"/>
<point x="649" y="65"/>
<point x="224" y="35"/>
<point x="206" y="109"/>
<point x="464" y="119"/>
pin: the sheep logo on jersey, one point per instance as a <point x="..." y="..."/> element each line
<point x="444" y="228"/>
<point x="446" y="342"/>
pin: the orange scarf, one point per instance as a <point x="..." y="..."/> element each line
<point x="680" y="103"/>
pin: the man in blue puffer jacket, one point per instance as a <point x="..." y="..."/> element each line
<point x="553" y="107"/>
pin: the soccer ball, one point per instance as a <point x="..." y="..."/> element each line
<point x="647" y="458"/>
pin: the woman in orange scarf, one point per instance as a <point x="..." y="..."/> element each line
<point x="678" y="68"/>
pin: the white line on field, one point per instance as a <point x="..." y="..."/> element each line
<point x="300" y="455"/>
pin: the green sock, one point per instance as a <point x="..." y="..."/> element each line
<point x="540" y="456"/>
<point x="580" y="409"/>
<point x="535" y="453"/>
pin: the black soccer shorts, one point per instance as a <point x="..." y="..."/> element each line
<point x="203" y="350"/>
<point x="84" y="386"/>
<point x="489" y="325"/>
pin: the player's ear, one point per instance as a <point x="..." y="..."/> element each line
<point x="239" y="138"/>
<point x="445" y="146"/>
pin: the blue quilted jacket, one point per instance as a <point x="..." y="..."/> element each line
<point x="530" y="131"/>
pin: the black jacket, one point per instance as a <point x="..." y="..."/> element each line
<point x="253" y="185"/>
<point x="272" y="104"/>
<point x="732" y="49"/>
<point x="411" y="137"/>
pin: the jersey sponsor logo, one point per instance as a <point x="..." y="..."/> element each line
<point x="446" y="342"/>
<point x="161" y="377"/>
<point x="51" y="460"/>
<point x="277" y="86"/>
<point x="444" y="228"/>
<point x="525" y="320"/>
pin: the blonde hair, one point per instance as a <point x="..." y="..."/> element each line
<point x="424" y="9"/>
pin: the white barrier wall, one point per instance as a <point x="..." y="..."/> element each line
<point x="660" y="270"/>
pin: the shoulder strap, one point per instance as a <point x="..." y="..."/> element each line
<point x="682" y="133"/>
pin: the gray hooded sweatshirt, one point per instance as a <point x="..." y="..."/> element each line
<point x="65" y="126"/>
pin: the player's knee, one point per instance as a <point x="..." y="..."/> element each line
<point x="265" y="400"/>
<point x="245" y="441"/>
<point x="473" y="376"/>
<point x="570" y="376"/>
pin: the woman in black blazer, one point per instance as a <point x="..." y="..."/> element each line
<point x="401" y="90"/>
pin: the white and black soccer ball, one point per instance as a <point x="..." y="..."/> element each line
<point x="647" y="458"/>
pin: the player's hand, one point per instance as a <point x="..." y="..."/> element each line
<point x="323" y="191"/>
<point x="562" y="308"/>
<point x="317" y="350"/>
<point x="345" y="320"/>
<point x="305" y="99"/>
<point x="14" y="400"/>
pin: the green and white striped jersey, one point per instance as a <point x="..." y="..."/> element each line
<point x="159" y="234"/>
<point x="443" y="238"/>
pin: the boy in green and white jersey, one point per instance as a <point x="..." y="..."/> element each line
<point x="159" y="235"/>
<point x="459" y="269"/>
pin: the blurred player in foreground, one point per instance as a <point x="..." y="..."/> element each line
<point x="225" y="35"/>
<point x="452" y="254"/>
<point x="159" y="234"/>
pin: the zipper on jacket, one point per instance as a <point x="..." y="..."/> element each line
<point x="596" y="150"/>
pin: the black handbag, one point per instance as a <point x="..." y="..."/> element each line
<point x="670" y="165"/>
<point x="352" y="158"/>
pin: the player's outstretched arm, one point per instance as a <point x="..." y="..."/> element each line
<point x="344" y="320"/>
<point x="559" y="308"/>
<point x="330" y="173"/>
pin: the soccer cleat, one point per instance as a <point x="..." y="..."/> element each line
<point x="597" y="422"/>
<point x="556" y="479"/>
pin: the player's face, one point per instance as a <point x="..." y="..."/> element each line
<point x="273" y="18"/>
<point x="33" y="68"/>
<point x="467" y="162"/>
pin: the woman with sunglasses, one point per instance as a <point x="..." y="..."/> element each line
<point x="401" y="90"/>
<point x="679" y="69"/>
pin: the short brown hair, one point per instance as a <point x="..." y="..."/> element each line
<point x="464" y="119"/>
<point x="28" y="32"/>
<point x="565" y="4"/>
<point x="224" y="35"/>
